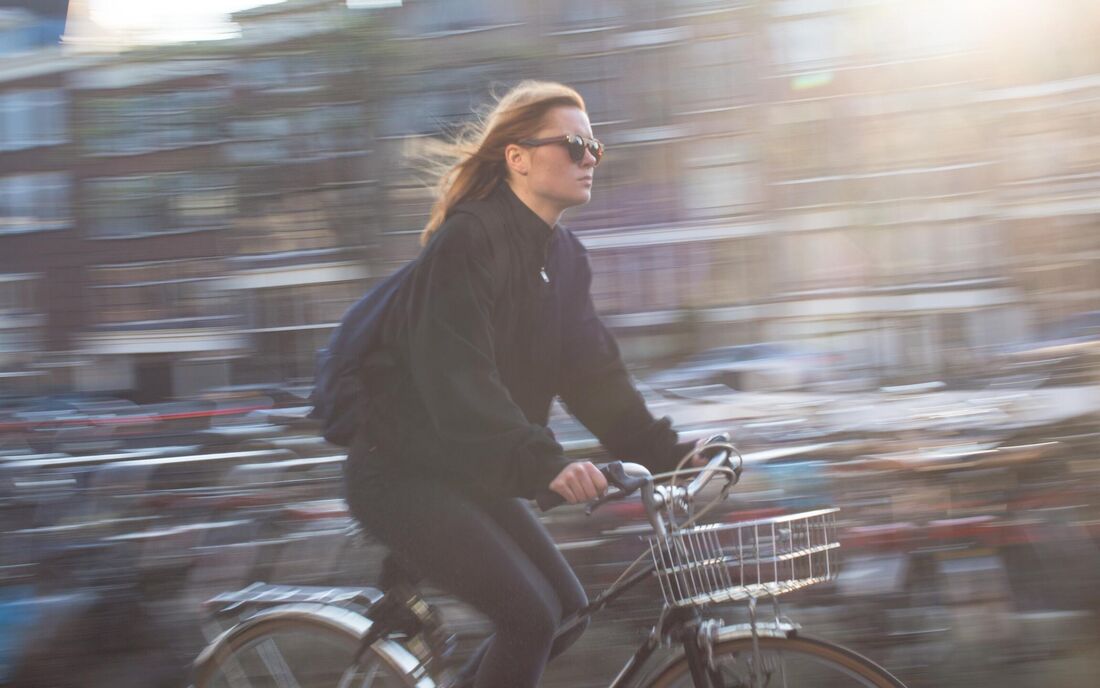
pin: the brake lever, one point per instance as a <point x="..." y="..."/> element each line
<point x="617" y="478"/>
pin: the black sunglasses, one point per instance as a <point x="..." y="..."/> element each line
<point x="574" y="143"/>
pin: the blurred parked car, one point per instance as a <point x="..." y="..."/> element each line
<point x="265" y="395"/>
<point x="749" y="367"/>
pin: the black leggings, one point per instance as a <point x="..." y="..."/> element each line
<point x="490" y="553"/>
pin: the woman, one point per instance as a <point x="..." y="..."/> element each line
<point x="489" y="324"/>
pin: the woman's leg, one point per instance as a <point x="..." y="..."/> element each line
<point x="454" y="543"/>
<point x="517" y="519"/>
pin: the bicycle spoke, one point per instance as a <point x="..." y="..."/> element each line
<point x="363" y="681"/>
<point x="276" y="664"/>
<point x="235" y="676"/>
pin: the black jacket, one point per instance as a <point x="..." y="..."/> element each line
<point x="490" y="323"/>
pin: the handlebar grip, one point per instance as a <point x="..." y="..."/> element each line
<point x="616" y="476"/>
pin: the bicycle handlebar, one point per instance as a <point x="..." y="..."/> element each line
<point x="628" y="478"/>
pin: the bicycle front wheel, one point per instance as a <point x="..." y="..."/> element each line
<point x="294" y="648"/>
<point x="781" y="663"/>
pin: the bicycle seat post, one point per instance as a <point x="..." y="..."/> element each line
<point x="403" y="610"/>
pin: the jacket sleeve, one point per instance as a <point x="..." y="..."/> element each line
<point x="599" y="391"/>
<point x="491" y="444"/>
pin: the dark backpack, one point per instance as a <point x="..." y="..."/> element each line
<point x="338" y="395"/>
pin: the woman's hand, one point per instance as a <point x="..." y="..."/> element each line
<point x="699" y="460"/>
<point x="579" y="482"/>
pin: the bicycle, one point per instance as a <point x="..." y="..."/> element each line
<point x="294" y="637"/>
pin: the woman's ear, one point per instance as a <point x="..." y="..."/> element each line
<point x="517" y="158"/>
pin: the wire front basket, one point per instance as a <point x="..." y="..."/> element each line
<point x="721" y="562"/>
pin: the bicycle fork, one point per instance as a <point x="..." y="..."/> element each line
<point x="700" y="636"/>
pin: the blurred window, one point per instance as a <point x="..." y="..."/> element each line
<point x="717" y="73"/>
<point x="737" y="272"/>
<point x="302" y="304"/>
<point x="1039" y="147"/>
<point x="308" y="132"/>
<point x="444" y="16"/>
<point x="261" y="72"/>
<point x="159" y="290"/>
<point x="259" y="139"/>
<point x="17" y="39"/>
<point x="903" y="30"/>
<point x="19" y="294"/>
<point x="33" y="117"/>
<point x="153" y="121"/>
<point x="408" y="206"/>
<point x="437" y="101"/>
<point x="721" y="176"/>
<point x="963" y="250"/>
<point x="159" y="203"/>
<point x="903" y="254"/>
<point x="286" y="72"/>
<point x="806" y="43"/>
<point x="807" y="139"/>
<point x="34" y="202"/>
<point x="826" y="259"/>
<point x="302" y="221"/>
<point x="600" y="81"/>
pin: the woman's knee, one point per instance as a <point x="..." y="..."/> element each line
<point x="534" y="619"/>
<point x="573" y="601"/>
<point x="576" y="630"/>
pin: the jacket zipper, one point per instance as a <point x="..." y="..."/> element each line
<point x="545" y="255"/>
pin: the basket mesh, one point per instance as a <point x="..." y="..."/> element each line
<point x="732" y="561"/>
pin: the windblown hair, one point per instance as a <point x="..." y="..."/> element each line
<point x="472" y="164"/>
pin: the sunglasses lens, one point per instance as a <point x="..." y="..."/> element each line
<point x="578" y="146"/>
<point x="596" y="150"/>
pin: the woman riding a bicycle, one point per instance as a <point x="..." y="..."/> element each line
<point x="489" y="324"/>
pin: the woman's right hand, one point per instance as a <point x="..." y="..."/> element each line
<point x="579" y="482"/>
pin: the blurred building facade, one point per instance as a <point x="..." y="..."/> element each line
<point x="156" y="202"/>
<point x="37" y="163"/>
<point x="301" y="149"/>
<point x="212" y="201"/>
<point x="873" y="177"/>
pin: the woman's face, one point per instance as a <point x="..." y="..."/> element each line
<point x="553" y="176"/>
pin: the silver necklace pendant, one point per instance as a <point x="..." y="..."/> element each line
<point x="545" y="277"/>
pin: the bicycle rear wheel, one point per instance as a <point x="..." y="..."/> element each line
<point x="299" y="648"/>
<point x="785" y="663"/>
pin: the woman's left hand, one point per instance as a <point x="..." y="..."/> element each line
<point x="698" y="460"/>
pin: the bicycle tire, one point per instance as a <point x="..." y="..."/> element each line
<point x="848" y="667"/>
<point x="245" y="654"/>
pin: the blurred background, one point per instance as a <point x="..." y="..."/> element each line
<point x="864" y="235"/>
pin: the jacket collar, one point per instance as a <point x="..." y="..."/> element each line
<point x="527" y="220"/>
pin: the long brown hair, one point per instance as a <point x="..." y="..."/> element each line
<point x="472" y="165"/>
